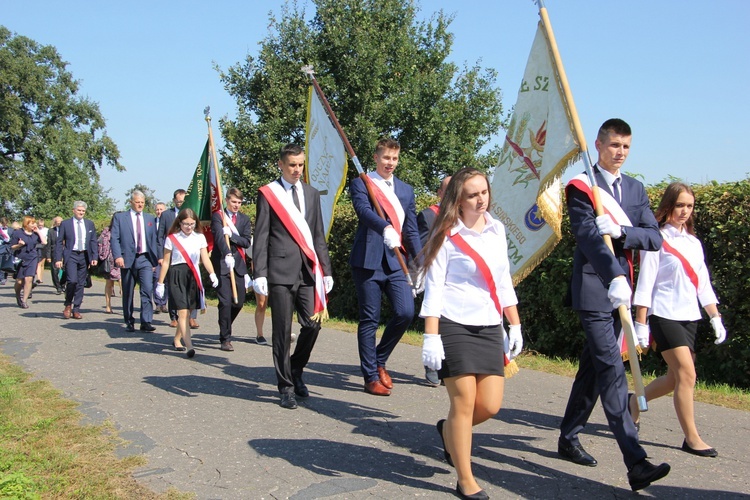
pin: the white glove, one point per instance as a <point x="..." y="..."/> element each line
<point x="328" y="283"/>
<point x="419" y="284"/>
<point x="642" y="333"/>
<point x="719" y="330"/>
<point x="515" y="341"/>
<point x="159" y="290"/>
<point x="229" y="261"/>
<point x="432" y="351"/>
<point x="214" y="280"/>
<point x="227" y="231"/>
<point x="619" y="292"/>
<point x="260" y="285"/>
<point x="391" y="238"/>
<point x="248" y="282"/>
<point x="606" y="225"/>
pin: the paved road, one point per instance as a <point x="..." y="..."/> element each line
<point x="212" y="425"/>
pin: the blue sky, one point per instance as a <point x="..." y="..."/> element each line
<point x="677" y="71"/>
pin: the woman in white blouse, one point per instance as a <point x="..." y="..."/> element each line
<point x="184" y="247"/>
<point x="468" y="288"/>
<point x="671" y="283"/>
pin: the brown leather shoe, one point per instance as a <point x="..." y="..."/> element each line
<point x="377" y="389"/>
<point x="67" y="312"/>
<point x="173" y="323"/>
<point x="194" y="324"/>
<point x="385" y="379"/>
<point x="77" y="315"/>
<point x="227" y="346"/>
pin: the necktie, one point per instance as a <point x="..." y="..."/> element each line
<point x="80" y="236"/>
<point x="234" y="219"/>
<point x="616" y="189"/>
<point x="295" y="198"/>
<point x="138" y="233"/>
<point x="388" y="183"/>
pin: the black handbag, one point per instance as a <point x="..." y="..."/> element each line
<point x="105" y="267"/>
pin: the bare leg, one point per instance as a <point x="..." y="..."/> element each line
<point x="40" y="269"/>
<point x="682" y="362"/>
<point x="261" y="302"/>
<point x="182" y="332"/>
<point x="28" y="283"/>
<point x="109" y="288"/>
<point x="658" y="387"/>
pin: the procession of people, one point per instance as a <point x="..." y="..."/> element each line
<point x="472" y="325"/>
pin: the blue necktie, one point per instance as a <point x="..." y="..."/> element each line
<point x="616" y="190"/>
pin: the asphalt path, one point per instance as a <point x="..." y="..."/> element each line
<point x="213" y="425"/>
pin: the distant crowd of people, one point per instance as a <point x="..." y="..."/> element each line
<point x="458" y="254"/>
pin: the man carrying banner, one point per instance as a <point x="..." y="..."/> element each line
<point x="230" y="259"/>
<point x="292" y="268"/>
<point x="600" y="283"/>
<point x="375" y="268"/>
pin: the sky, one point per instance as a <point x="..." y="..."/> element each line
<point x="676" y="71"/>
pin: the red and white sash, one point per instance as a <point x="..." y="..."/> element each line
<point x="691" y="274"/>
<point x="389" y="202"/>
<point x="484" y="270"/>
<point x="231" y="226"/>
<point x="176" y="244"/>
<point x="299" y="230"/>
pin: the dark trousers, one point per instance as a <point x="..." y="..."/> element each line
<point x="370" y="286"/>
<point x="283" y="301"/>
<point x="76" y="268"/>
<point x="55" y="272"/>
<point x="601" y="373"/>
<point x="228" y="310"/>
<point x="141" y="272"/>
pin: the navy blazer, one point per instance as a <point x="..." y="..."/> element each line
<point x="241" y="240"/>
<point x="66" y="240"/>
<point x="123" y="238"/>
<point x="165" y="224"/>
<point x="425" y="220"/>
<point x="368" y="248"/>
<point x="594" y="265"/>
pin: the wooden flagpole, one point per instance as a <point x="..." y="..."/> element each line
<point x="206" y="112"/>
<point x="625" y="317"/>
<point x="309" y="71"/>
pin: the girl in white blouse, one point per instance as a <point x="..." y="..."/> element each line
<point x="468" y="289"/>
<point x="184" y="247"/>
<point x="671" y="283"/>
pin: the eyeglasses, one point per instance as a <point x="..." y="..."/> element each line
<point x="187" y="224"/>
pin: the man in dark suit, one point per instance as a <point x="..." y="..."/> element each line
<point x="230" y="259"/>
<point x="76" y="246"/>
<point x="292" y="268"/>
<point x="601" y="282"/>
<point x="165" y="223"/>
<point x="375" y="268"/>
<point x="135" y="247"/>
<point x="52" y="238"/>
<point x="160" y="303"/>
<point x="425" y="220"/>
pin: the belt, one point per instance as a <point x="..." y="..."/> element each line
<point x="80" y="251"/>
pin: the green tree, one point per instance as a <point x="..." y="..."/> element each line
<point x="384" y="73"/>
<point x="52" y="141"/>
<point x="148" y="193"/>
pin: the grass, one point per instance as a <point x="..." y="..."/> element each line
<point x="46" y="453"/>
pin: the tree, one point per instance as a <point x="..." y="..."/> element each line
<point x="148" y="193"/>
<point x="384" y="73"/>
<point x="52" y="141"/>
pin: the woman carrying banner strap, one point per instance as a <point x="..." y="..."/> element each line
<point x="468" y="289"/>
<point x="671" y="283"/>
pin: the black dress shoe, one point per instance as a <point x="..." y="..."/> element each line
<point x="147" y="327"/>
<point x="710" y="452"/>
<point x="576" y="454"/>
<point x="191" y="353"/>
<point x="288" y="401"/>
<point x="300" y="389"/>
<point x="479" y="495"/>
<point x="446" y="455"/>
<point x="130" y="328"/>
<point x="644" y="473"/>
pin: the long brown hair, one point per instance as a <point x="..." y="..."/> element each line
<point x="186" y="213"/>
<point x="450" y="211"/>
<point x="668" y="202"/>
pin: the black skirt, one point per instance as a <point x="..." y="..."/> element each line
<point x="471" y="349"/>
<point x="669" y="333"/>
<point x="183" y="289"/>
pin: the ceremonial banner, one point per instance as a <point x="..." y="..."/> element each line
<point x="539" y="145"/>
<point x="326" y="158"/>
<point x="203" y="192"/>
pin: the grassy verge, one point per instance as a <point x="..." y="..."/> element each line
<point x="46" y="453"/>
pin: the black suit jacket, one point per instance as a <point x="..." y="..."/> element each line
<point x="276" y="256"/>
<point x="49" y="251"/>
<point x="165" y="222"/>
<point x="242" y="240"/>
<point x="425" y="221"/>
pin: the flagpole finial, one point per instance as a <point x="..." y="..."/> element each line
<point x="207" y="113"/>
<point x="308" y="70"/>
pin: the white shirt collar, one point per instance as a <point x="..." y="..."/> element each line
<point x="491" y="225"/>
<point x="608" y="177"/>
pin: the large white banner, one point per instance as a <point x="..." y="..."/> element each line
<point x="326" y="158"/>
<point x="538" y="146"/>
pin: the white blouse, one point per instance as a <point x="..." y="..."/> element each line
<point x="192" y="245"/>
<point x="663" y="284"/>
<point x="454" y="287"/>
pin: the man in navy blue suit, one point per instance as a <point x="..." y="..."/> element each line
<point x="601" y="282"/>
<point x="375" y="268"/>
<point x="136" y="249"/>
<point x="76" y="248"/>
